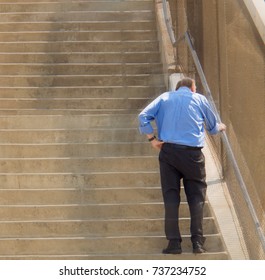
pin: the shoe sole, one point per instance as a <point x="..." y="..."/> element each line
<point x="171" y="252"/>
<point x="199" y="251"/>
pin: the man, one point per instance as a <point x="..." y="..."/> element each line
<point x="180" y="118"/>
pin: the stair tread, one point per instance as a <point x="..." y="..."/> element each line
<point x="184" y="256"/>
<point x="160" y="236"/>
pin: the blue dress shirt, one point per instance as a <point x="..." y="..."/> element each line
<point x="180" y="117"/>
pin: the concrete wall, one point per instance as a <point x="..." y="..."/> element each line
<point x="234" y="61"/>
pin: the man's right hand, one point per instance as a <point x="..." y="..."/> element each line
<point x="156" y="144"/>
<point x="221" y="127"/>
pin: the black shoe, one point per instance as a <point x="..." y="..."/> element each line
<point x="173" y="247"/>
<point x="198" y="248"/>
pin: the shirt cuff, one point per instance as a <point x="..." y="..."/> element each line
<point x="215" y="130"/>
<point x="147" y="129"/>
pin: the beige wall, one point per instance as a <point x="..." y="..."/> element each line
<point x="234" y="62"/>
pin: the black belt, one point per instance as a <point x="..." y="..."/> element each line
<point x="183" y="147"/>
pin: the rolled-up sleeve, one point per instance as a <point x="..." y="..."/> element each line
<point x="147" y="116"/>
<point x="214" y="130"/>
<point x="145" y="126"/>
<point x="210" y="118"/>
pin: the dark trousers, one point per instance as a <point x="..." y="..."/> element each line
<point x="176" y="163"/>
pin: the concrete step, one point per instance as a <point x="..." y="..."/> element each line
<point x="135" y="91"/>
<point x="69" y="164"/>
<point x="73" y="103"/>
<point x="77" y="16"/>
<point x="78" y="179"/>
<point x="222" y="255"/>
<point x="93" y="246"/>
<point x="79" y="57"/>
<point x="80" y="80"/>
<point x="57" y="6"/>
<point x="72" y="150"/>
<point x="80" y="69"/>
<point x="78" y="25"/>
<point x="94" y="228"/>
<point x="146" y="210"/>
<point x="86" y="195"/>
<point x="71" y="136"/>
<point x="80" y="196"/>
<point x="59" y="112"/>
<point x="78" y="46"/>
<point x="112" y="35"/>
<point x="69" y="121"/>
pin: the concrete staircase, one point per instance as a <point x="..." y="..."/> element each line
<point x="77" y="181"/>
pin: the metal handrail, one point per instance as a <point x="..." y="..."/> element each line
<point x="224" y="137"/>
<point x="169" y="24"/>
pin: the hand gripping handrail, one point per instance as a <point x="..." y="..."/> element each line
<point x="224" y="137"/>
